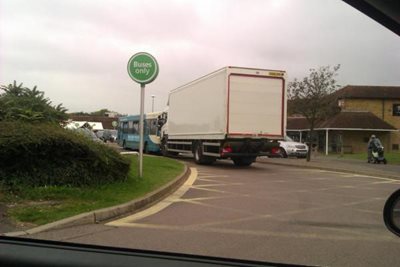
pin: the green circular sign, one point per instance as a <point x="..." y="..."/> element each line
<point x="143" y="68"/>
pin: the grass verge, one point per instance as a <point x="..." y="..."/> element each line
<point x="391" y="157"/>
<point x="42" y="205"/>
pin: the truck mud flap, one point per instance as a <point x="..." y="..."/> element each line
<point x="251" y="146"/>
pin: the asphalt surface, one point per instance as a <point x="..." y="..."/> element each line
<point x="265" y="212"/>
<point x="339" y="164"/>
<point x="5" y="224"/>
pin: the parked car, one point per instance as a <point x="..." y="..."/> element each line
<point x="113" y="135"/>
<point x="107" y="135"/>
<point x="100" y="134"/>
<point x="88" y="134"/>
<point x="289" y="148"/>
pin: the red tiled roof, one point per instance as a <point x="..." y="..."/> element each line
<point x="368" y="92"/>
<point x="356" y="120"/>
<point x="297" y="123"/>
<point x="343" y="120"/>
<point x="106" y="121"/>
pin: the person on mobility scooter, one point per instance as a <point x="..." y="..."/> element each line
<point x="375" y="151"/>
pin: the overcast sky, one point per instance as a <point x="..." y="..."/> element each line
<point x="77" y="51"/>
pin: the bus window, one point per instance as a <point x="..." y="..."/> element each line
<point x="130" y="127"/>
<point x="125" y="127"/>
<point x="152" y="126"/>
<point x="136" y="127"/>
<point x="133" y="127"/>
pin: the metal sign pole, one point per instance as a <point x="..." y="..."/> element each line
<point x="143" y="69"/>
<point x="141" y="126"/>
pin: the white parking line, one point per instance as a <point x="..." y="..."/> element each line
<point x="387" y="182"/>
<point x="219" y="184"/>
<point x="201" y="176"/>
<point x="349" y="175"/>
<point x="265" y="233"/>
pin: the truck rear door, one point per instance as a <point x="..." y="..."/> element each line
<point x="256" y="106"/>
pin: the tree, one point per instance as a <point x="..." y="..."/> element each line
<point x="101" y="112"/>
<point x="29" y="105"/>
<point x="80" y="113"/>
<point x="312" y="97"/>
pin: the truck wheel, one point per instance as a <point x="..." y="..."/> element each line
<point x="164" y="149"/>
<point x="199" y="158"/>
<point x="247" y="161"/>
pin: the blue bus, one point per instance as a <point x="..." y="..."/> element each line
<point x="128" y="132"/>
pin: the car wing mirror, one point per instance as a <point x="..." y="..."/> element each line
<point x="391" y="213"/>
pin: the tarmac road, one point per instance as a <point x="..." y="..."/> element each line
<point x="5" y="224"/>
<point x="265" y="212"/>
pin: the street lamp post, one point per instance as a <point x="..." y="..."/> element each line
<point x="152" y="102"/>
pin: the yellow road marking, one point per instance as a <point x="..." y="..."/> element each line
<point x="209" y="189"/>
<point x="161" y="205"/>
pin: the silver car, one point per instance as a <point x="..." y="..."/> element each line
<point x="290" y="148"/>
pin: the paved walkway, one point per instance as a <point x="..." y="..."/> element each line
<point x="340" y="165"/>
<point x="5" y="224"/>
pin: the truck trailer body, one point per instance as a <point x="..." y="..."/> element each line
<point x="234" y="112"/>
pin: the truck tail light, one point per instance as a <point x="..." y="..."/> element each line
<point x="226" y="149"/>
<point x="275" y="150"/>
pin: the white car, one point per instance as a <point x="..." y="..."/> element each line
<point x="289" y="148"/>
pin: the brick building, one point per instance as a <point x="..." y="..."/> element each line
<point x="365" y="110"/>
<point x="383" y="101"/>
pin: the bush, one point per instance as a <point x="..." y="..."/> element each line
<point x="46" y="154"/>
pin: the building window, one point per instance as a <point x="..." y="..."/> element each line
<point x="395" y="146"/>
<point x="396" y="109"/>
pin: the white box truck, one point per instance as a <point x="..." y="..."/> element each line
<point x="234" y="112"/>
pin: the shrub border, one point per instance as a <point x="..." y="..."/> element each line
<point x="100" y="215"/>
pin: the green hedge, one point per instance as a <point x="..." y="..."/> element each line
<point x="45" y="154"/>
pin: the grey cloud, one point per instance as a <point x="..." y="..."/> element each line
<point x="77" y="50"/>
